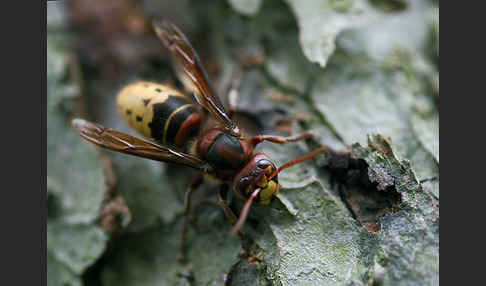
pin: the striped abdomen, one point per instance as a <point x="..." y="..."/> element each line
<point x="159" y="112"/>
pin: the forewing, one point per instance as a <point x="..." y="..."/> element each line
<point x="184" y="54"/>
<point x="125" y="143"/>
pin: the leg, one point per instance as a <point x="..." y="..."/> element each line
<point x="187" y="206"/>
<point x="281" y="140"/>
<point x="222" y="200"/>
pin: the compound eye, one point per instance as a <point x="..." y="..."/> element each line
<point x="263" y="163"/>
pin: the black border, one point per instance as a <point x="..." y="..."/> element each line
<point x="24" y="99"/>
<point x="43" y="203"/>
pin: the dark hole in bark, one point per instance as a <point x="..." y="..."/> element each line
<point x="366" y="202"/>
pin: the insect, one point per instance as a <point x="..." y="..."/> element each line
<point x="202" y="136"/>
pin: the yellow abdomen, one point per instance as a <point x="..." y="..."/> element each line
<point x="159" y="112"/>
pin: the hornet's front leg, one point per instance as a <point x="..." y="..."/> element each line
<point x="187" y="207"/>
<point x="222" y="200"/>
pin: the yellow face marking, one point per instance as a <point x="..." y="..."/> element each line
<point x="167" y="123"/>
<point x="262" y="182"/>
<point x="268" y="192"/>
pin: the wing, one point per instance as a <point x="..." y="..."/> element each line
<point x="186" y="56"/>
<point x="124" y="143"/>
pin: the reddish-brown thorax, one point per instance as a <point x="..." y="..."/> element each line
<point x="226" y="153"/>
